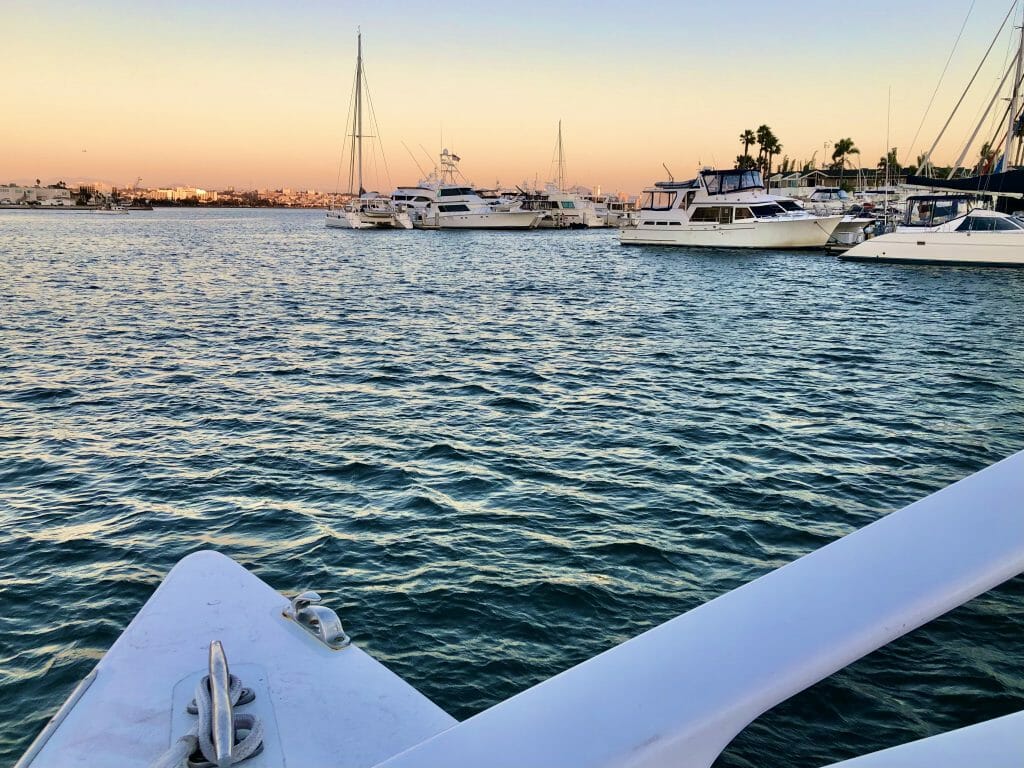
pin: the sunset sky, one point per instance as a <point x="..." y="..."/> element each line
<point x="255" y="95"/>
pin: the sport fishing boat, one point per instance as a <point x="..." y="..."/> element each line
<point x="363" y="210"/>
<point x="220" y="669"/>
<point x="947" y="229"/>
<point x="724" y="209"/>
<point x="457" y="205"/>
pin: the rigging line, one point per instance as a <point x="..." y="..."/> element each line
<point x="984" y="58"/>
<point x="376" y="127"/>
<point x="941" y="76"/>
<point x="939" y="84"/>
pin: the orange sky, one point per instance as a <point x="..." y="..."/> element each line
<point x="256" y="95"/>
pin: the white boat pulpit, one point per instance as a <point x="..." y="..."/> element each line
<point x="673" y="696"/>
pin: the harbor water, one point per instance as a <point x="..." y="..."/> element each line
<point x="495" y="454"/>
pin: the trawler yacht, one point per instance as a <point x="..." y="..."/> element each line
<point x="947" y="229"/>
<point x="724" y="209"/>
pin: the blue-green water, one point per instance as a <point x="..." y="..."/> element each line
<point x="497" y="454"/>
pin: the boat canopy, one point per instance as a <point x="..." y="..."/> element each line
<point x="724" y="182"/>
<point x="1006" y="183"/>
<point x="933" y="210"/>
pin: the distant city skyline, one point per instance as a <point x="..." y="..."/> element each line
<point x="213" y="97"/>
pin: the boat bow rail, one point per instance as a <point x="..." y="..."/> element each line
<point x="679" y="693"/>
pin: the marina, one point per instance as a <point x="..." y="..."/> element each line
<point x="703" y="447"/>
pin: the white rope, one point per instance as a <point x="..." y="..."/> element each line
<point x="200" y="734"/>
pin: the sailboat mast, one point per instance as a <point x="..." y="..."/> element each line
<point x="1014" y="100"/>
<point x="561" y="160"/>
<point x="359" y="106"/>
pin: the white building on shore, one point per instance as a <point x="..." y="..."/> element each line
<point x="12" y="194"/>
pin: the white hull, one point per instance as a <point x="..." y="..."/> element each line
<point x="783" y="233"/>
<point x="992" y="249"/>
<point x="360" y="220"/>
<point x="488" y="220"/>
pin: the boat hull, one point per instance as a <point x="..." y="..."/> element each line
<point x="985" y="249"/>
<point x="489" y="220"/>
<point x="360" y="220"/>
<point x="785" y="233"/>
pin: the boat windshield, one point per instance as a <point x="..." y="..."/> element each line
<point x="658" y="201"/>
<point x="977" y="223"/>
<point x="766" y="211"/>
<point x="934" y="211"/>
<point x="790" y="205"/>
<point x="723" y="182"/>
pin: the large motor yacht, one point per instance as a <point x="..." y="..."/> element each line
<point x="724" y="209"/>
<point x="947" y="229"/>
<point x="456" y="205"/>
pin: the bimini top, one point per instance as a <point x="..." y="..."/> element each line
<point x="736" y="180"/>
<point x="688" y="184"/>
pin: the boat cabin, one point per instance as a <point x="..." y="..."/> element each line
<point x="935" y="210"/>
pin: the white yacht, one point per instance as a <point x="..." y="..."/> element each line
<point x="829" y="201"/>
<point x="363" y="210"/>
<point x="563" y="209"/>
<point x="724" y="209"/>
<point x="457" y="205"/>
<point x="218" y="668"/>
<point x="947" y="229"/>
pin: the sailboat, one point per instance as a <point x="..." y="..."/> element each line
<point x="363" y="210"/>
<point x="562" y="207"/>
<point x="950" y="228"/>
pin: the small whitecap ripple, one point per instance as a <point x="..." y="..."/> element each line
<point x="496" y="454"/>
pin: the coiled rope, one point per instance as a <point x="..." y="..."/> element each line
<point x="195" y="748"/>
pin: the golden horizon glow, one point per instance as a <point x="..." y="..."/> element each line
<point x="221" y="97"/>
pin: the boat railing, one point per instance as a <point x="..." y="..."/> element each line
<point x="679" y="693"/>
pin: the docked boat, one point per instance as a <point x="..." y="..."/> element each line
<point x="947" y="229"/>
<point x="220" y="669"/>
<point x="456" y="205"/>
<point x="362" y="210"/>
<point x="724" y="209"/>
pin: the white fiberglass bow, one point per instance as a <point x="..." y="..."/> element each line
<point x="674" y="696"/>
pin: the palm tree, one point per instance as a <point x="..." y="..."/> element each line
<point x="843" y="148"/>
<point x="747" y="138"/>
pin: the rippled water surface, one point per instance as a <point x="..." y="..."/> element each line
<point x="498" y="454"/>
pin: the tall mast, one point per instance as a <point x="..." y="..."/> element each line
<point x="359" y="106"/>
<point x="561" y="160"/>
<point x="1014" y="102"/>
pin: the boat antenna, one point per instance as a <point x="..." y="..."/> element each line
<point x="670" y="176"/>
<point x="423" y="174"/>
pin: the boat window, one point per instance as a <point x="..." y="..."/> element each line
<point x="662" y="223"/>
<point x="789" y="205"/>
<point x="766" y="211"/>
<point x="422" y="199"/>
<point x="658" y="201"/>
<point x="931" y="212"/>
<point x="689" y="198"/>
<point x="453" y="208"/>
<point x="454" y="192"/>
<point x="568" y="204"/>
<point x="742" y="214"/>
<point x="712" y="214"/>
<point x="987" y="224"/>
<point x="720" y="183"/>
<point x="648" y="223"/>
